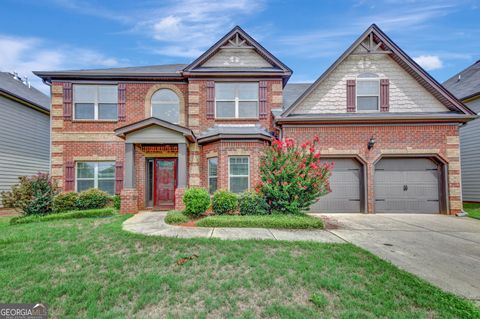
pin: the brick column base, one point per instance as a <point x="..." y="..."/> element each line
<point x="129" y="198"/>
<point x="179" y="205"/>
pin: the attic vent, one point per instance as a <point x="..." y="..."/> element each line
<point x="459" y="77"/>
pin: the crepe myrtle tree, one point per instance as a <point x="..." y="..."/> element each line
<point x="292" y="176"/>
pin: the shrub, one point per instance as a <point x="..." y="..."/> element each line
<point x="117" y="201"/>
<point x="292" y="177"/>
<point x="92" y="198"/>
<point x="196" y="200"/>
<point x="175" y="217"/>
<point x="224" y="202"/>
<point x="103" y="212"/>
<point x="33" y="195"/>
<point x="251" y="203"/>
<point x="64" y="202"/>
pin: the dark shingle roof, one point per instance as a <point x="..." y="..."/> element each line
<point x="292" y="91"/>
<point x="468" y="84"/>
<point x="11" y="86"/>
<point x="225" y="131"/>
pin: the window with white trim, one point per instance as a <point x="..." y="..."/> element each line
<point x="95" y="102"/>
<point x="238" y="173"/>
<point x="212" y="174"/>
<point x="236" y="100"/>
<point x="368" y="92"/>
<point x="99" y="175"/>
<point x="166" y="106"/>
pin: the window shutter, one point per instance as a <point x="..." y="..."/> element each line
<point x="351" y="95"/>
<point x="118" y="177"/>
<point x="384" y="95"/>
<point x="121" y="102"/>
<point x="67" y="101"/>
<point x="210" y="99"/>
<point x="262" y="99"/>
<point x="69" y="176"/>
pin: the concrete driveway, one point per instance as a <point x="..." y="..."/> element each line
<point x="444" y="250"/>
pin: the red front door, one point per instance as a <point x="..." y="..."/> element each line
<point x="165" y="182"/>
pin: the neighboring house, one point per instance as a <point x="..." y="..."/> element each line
<point x="466" y="87"/>
<point x="25" y="130"/>
<point x="149" y="132"/>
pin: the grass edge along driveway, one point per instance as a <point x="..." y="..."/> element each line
<point x="91" y="268"/>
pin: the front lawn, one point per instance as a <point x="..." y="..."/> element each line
<point x="91" y="268"/>
<point x="472" y="209"/>
<point x="262" y="221"/>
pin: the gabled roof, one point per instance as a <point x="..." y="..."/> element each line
<point x="12" y="87"/>
<point x="387" y="46"/>
<point x="465" y="84"/>
<point x="277" y="65"/>
<point x="152" y="121"/>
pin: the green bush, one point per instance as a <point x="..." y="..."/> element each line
<point x="175" y="217"/>
<point x="117" y="201"/>
<point x="196" y="200"/>
<point x="283" y="221"/>
<point x="65" y="202"/>
<point x="224" y="202"/>
<point x="104" y="212"/>
<point x="33" y="195"/>
<point x="92" y="198"/>
<point x="251" y="203"/>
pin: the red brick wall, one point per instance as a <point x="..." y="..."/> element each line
<point x="441" y="140"/>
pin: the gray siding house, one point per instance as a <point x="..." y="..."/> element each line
<point x="24" y="130"/>
<point x="466" y="87"/>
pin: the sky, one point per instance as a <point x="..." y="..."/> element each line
<point x="308" y="36"/>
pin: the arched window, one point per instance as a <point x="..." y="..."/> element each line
<point x="166" y="106"/>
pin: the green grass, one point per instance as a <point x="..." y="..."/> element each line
<point x="175" y="217"/>
<point x="473" y="210"/>
<point x="89" y="213"/>
<point x="91" y="268"/>
<point x="262" y="221"/>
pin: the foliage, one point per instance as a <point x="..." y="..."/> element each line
<point x="224" y="202"/>
<point x="251" y="203"/>
<point x="33" y="195"/>
<point x="319" y="300"/>
<point x="117" y="201"/>
<point x="196" y="200"/>
<point x="64" y="202"/>
<point x="473" y="210"/>
<point x="103" y="212"/>
<point x="92" y="198"/>
<point x="292" y="176"/>
<point x="175" y="217"/>
<point x="279" y="221"/>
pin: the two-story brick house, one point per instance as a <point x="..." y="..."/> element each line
<point x="147" y="133"/>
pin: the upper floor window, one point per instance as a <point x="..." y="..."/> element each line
<point x="95" y="102"/>
<point x="368" y="92"/>
<point x="166" y="106"/>
<point x="236" y="100"/>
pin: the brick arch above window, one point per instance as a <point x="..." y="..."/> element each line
<point x="176" y="90"/>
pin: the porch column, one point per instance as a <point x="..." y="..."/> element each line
<point x="182" y="165"/>
<point x="129" y="181"/>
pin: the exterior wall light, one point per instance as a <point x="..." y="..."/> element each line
<point x="371" y="143"/>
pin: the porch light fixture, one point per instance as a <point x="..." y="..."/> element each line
<point x="371" y="143"/>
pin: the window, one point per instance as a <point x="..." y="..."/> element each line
<point x="239" y="174"/>
<point x="368" y="91"/>
<point x="236" y="100"/>
<point x="166" y="106"/>
<point x="99" y="175"/>
<point x="95" y="102"/>
<point x="212" y="174"/>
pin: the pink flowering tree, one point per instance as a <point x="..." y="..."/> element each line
<point x="292" y="176"/>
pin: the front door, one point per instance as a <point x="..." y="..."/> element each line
<point x="165" y="182"/>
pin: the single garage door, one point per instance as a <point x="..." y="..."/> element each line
<point x="407" y="185"/>
<point x="346" y="186"/>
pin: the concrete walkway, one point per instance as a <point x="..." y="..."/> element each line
<point x="152" y="223"/>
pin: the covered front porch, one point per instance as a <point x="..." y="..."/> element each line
<point x="155" y="165"/>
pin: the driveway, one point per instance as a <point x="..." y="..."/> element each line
<point x="444" y="250"/>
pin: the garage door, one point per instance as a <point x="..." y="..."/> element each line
<point x="345" y="183"/>
<point x="407" y="185"/>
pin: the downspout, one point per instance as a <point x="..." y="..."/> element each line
<point x="462" y="213"/>
<point x="49" y="83"/>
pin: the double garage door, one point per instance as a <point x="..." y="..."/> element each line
<point x="402" y="185"/>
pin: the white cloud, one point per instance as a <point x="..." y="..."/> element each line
<point x="24" y="55"/>
<point x="429" y="62"/>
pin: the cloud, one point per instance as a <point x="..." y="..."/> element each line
<point x="429" y="62"/>
<point x="26" y="54"/>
